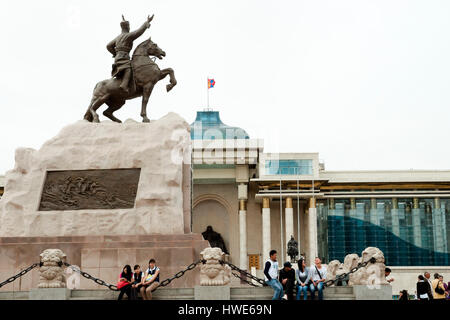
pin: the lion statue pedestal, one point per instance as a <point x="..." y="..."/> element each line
<point x="52" y="282"/>
<point x="214" y="276"/>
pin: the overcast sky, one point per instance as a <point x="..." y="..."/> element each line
<point x="364" y="83"/>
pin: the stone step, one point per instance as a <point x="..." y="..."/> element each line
<point x="251" y="291"/>
<point x="93" y="293"/>
<point x="14" y="295"/>
<point x="236" y="293"/>
<point x="338" y="290"/>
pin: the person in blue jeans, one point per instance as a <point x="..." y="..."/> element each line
<point x="318" y="273"/>
<point x="271" y="275"/>
<point x="302" y="275"/>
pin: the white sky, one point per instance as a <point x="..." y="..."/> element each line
<point x="364" y="83"/>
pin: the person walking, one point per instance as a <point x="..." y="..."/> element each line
<point x="444" y="285"/>
<point x="271" y="275"/>
<point x="447" y="289"/>
<point x="302" y="275"/>
<point x="422" y="288"/>
<point x="438" y="287"/>
<point x="318" y="276"/>
<point x="427" y="276"/>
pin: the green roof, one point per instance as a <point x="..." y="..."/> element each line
<point x="207" y="125"/>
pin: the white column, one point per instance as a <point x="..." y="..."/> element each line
<point x="374" y="212"/>
<point x="243" y="257"/>
<point x="439" y="236"/>
<point x="416" y="223"/>
<point x="312" y="226"/>
<point x="395" y="218"/>
<point x="266" y="243"/>
<point x="289" y="223"/>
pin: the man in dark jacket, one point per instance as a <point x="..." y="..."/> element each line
<point x="287" y="279"/>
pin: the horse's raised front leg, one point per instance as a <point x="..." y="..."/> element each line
<point x="173" y="81"/>
<point x="146" y="92"/>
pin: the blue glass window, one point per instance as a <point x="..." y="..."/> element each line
<point x="408" y="235"/>
<point x="289" y="167"/>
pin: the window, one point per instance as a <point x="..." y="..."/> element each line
<point x="253" y="261"/>
<point x="289" y="167"/>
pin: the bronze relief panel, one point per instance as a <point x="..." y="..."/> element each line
<point x="90" y="189"/>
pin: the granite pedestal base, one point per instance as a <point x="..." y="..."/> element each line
<point x="49" y="294"/>
<point x="103" y="257"/>
<point x="375" y="292"/>
<point x="212" y="293"/>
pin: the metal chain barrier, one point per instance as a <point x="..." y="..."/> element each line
<point x="179" y="274"/>
<point x="245" y="273"/>
<point x="20" y="274"/>
<point x="353" y="270"/>
<point x="114" y="288"/>
<point x="243" y="279"/>
<point x="96" y="280"/>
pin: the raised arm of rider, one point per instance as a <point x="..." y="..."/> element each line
<point x="138" y="32"/>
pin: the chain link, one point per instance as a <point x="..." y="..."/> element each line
<point x="353" y="270"/>
<point x="20" y="274"/>
<point x="179" y="274"/>
<point x="243" y="279"/>
<point x="88" y="276"/>
<point x="245" y="273"/>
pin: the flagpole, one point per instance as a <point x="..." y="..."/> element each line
<point x="207" y="93"/>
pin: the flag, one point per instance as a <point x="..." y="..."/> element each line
<point x="211" y="83"/>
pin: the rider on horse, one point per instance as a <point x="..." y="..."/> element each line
<point x="120" y="48"/>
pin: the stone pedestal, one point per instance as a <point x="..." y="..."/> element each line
<point x="158" y="198"/>
<point x="372" y="292"/>
<point x="212" y="293"/>
<point x="71" y="194"/>
<point x="49" y="294"/>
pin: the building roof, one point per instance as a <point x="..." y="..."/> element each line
<point x="207" y="125"/>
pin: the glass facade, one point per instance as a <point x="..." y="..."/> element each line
<point x="410" y="232"/>
<point x="289" y="167"/>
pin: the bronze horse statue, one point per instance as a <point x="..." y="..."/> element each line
<point x="145" y="75"/>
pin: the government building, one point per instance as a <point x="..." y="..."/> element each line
<point x="257" y="201"/>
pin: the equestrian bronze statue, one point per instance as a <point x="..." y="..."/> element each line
<point x="131" y="78"/>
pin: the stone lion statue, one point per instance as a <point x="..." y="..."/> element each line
<point x="336" y="268"/>
<point x="212" y="273"/>
<point x="51" y="271"/>
<point x="373" y="273"/>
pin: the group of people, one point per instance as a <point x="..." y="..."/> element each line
<point x="304" y="278"/>
<point x="133" y="282"/>
<point x="427" y="289"/>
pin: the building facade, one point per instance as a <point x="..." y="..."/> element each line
<point x="258" y="200"/>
